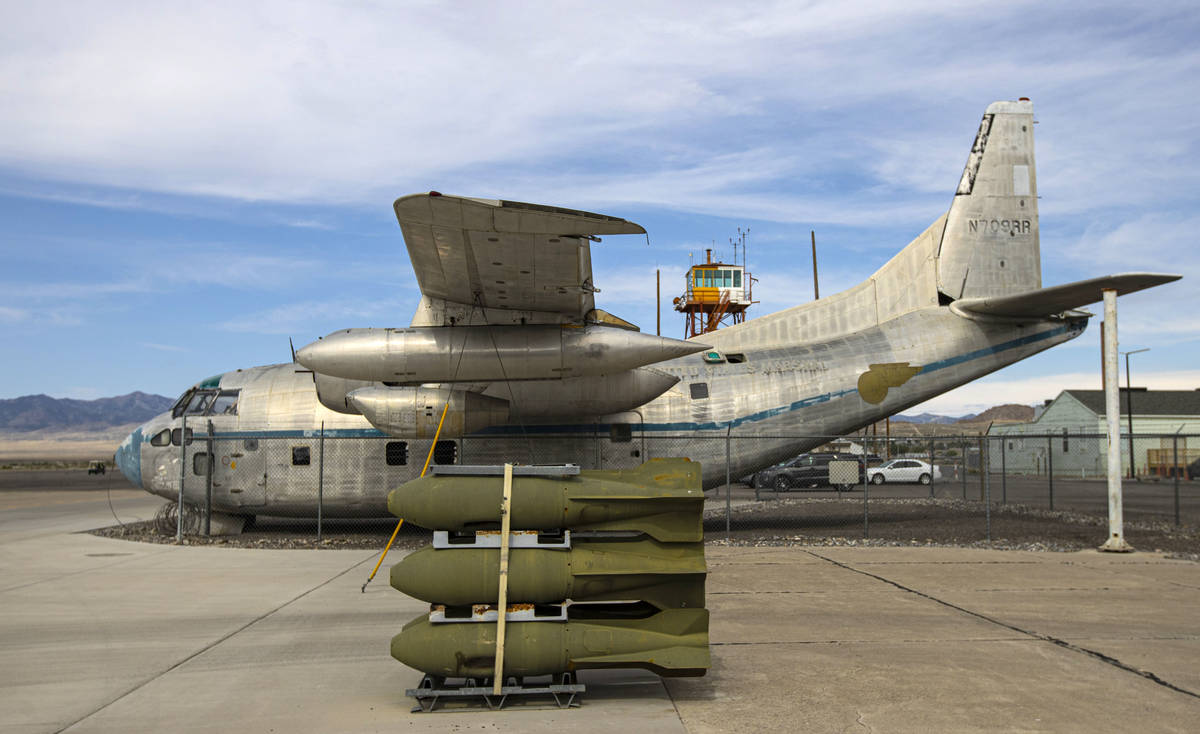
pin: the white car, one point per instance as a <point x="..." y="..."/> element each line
<point x="903" y="470"/>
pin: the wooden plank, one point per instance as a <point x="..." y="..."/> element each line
<point x="502" y="599"/>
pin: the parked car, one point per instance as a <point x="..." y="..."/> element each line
<point x="804" y="471"/>
<point x="96" y="467"/>
<point x="903" y="470"/>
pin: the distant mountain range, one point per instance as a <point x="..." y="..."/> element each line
<point x="1011" y="412"/>
<point x="42" y="412"/>
<point x="929" y="418"/>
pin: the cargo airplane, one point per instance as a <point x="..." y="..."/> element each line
<point x="508" y="343"/>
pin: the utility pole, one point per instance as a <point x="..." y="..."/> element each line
<point x="1129" y="410"/>
<point x="658" y="301"/>
<point x="816" y="290"/>
<point x="1112" y="409"/>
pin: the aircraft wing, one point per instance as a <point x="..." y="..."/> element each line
<point x="1059" y="298"/>
<point x="504" y="254"/>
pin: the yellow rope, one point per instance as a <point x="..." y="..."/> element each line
<point x="424" y="469"/>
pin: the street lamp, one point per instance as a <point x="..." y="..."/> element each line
<point x="1129" y="409"/>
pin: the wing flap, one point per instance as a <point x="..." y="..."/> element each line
<point x="1060" y="298"/>
<point x="504" y="254"/>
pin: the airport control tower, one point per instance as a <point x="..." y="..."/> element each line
<point x="716" y="293"/>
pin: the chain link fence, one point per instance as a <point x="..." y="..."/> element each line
<point x="959" y="489"/>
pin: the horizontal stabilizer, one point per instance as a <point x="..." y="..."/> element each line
<point x="1060" y="298"/>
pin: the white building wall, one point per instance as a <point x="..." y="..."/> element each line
<point x="1087" y="457"/>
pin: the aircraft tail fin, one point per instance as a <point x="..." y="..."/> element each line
<point x="990" y="244"/>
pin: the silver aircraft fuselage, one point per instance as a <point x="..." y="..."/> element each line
<point x="781" y="394"/>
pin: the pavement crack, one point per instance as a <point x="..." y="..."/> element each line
<point x="1108" y="659"/>
<point x="141" y="684"/>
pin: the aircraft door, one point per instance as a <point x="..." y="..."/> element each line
<point x="239" y="473"/>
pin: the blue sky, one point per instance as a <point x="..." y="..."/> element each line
<point x="184" y="186"/>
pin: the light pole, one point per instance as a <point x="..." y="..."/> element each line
<point x="1129" y="409"/>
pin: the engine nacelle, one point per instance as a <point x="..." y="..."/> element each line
<point x="583" y="398"/>
<point x="414" y="412"/>
<point x="332" y="392"/>
<point x="437" y="354"/>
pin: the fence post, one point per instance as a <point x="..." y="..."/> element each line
<point x="866" y="508"/>
<point x="981" y="469"/>
<point x="1003" y="472"/>
<point x="321" y="480"/>
<point x="1050" y="466"/>
<point x="987" y="489"/>
<point x="1175" y="471"/>
<point x="931" y="469"/>
<point x="182" y="477"/>
<point x="208" y="484"/>
<point x="728" y="430"/>
<point x="962" y="443"/>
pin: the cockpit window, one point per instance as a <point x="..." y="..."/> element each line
<point x="225" y="404"/>
<point x="199" y="402"/>
<point x="162" y="438"/>
<point x="206" y="402"/>
<point x="180" y="404"/>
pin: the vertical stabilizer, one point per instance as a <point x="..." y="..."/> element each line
<point x="990" y="245"/>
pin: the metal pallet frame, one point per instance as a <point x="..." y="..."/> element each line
<point x="433" y="689"/>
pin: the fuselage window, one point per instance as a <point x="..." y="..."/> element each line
<point x="735" y="358"/>
<point x="225" y="404"/>
<point x="162" y="438"/>
<point x="176" y="434"/>
<point x="445" y="452"/>
<point x="200" y="464"/>
<point x="300" y="456"/>
<point x="699" y="390"/>
<point x="250" y="444"/>
<point x="396" y="453"/>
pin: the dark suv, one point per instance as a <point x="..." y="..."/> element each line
<point x="804" y="471"/>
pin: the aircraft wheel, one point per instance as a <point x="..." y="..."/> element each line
<point x="925" y="479"/>
<point x="877" y="479"/>
<point x="782" y="483"/>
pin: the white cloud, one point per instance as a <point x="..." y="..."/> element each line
<point x="13" y="315"/>
<point x="162" y="347"/>
<point x="723" y="108"/>
<point x="310" y="319"/>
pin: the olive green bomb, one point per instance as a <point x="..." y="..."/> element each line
<point x="671" y="643"/>
<point x="662" y="498"/>
<point x="667" y="575"/>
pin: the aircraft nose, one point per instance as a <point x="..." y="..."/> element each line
<point x="129" y="457"/>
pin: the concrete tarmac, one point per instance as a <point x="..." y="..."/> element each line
<point x="101" y="635"/>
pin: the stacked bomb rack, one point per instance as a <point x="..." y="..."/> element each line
<point x="605" y="570"/>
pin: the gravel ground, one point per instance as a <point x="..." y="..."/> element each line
<point x="824" y="522"/>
